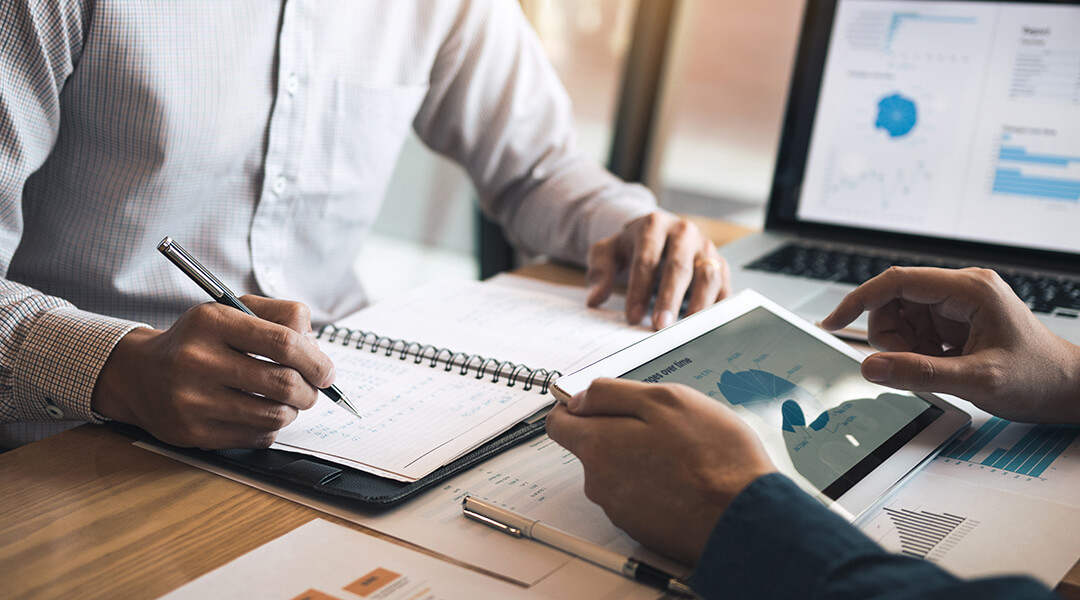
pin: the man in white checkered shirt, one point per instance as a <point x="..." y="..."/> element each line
<point x="262" y="134"/>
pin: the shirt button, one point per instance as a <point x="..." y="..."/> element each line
<point x="280" y="183"/>
<point x="292" y="84"/>
<point x="54" y="411"/>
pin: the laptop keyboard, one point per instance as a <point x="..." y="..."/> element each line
<point x="1044" y="294"/>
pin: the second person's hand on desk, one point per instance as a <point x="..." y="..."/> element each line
<point x="661" y="252"/>
<point x="196" y="383"/>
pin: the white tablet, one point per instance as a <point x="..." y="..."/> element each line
<point x="841" y="438"/>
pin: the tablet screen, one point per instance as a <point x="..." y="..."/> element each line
<point x="820" y="421"/>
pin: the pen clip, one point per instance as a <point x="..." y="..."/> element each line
<point x="503" y="527"/>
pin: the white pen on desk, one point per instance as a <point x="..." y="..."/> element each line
<point x="517" y="525"/>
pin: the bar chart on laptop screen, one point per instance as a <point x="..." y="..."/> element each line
<point x="1035" y="164"/>
<point x="1013" y="449"/>
<point x="1041" y="162"/>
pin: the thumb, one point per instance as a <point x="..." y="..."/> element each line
<point x="610" y="397"/>
<point x="920" y="373"/>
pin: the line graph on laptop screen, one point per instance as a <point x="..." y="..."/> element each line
<point x="951" y="119"/>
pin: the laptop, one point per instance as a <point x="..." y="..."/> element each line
<point x="926" y="133"/>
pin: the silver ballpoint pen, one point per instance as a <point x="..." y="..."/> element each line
<point x="517" y="525"/>
<point x="223" y="295"/>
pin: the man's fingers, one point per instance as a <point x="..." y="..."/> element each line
<point x="612" y="397"/>
<point x="284" y="346"/>
<point x="924" y="285"/>
<point x="682" y="247"/>
<point x="242" y="409"/>
<point x="564" y="427"/>
<point x="278" y="383"/>
<point x="646" y="250"/>
<point x="590" y="437"/>
<point x="921" y="319"/>
<point x="603" y="266"/>
<point x="712" y="280"/>
<point x="888" y="330"/>
<point x="920" y="373"/>
<point x="229" y="435"/>
<point x="294" y="315"/>
<point x="725" y="269"/>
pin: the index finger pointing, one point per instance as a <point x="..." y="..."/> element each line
<point x="924" y="285"/>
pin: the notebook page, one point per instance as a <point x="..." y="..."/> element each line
<point x="510" y="323"/>
<point x="415" y="418"/>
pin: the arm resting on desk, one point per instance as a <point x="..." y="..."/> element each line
<point x="774" y="541"/>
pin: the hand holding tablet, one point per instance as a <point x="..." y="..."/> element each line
<point x="843" y="439"/>
<point x="647" y="448"/>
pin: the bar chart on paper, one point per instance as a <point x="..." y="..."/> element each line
<point x="926" y="534"/>
<point x="927" y="520"/>
<point x="976" y="530"/>
<point x="1000" y="446"/>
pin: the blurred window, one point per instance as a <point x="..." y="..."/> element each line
<point x="587" y="41"/>
<point x="723" y="99"/>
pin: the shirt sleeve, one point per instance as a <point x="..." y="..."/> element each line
<point x="50" y="352"/>
<point x="496" y="106"/>
<point x="775" y="541"/>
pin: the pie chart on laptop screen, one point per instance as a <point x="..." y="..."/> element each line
<point x="897" y="115"/>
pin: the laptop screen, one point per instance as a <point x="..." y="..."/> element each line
<point x="954" y="120"/>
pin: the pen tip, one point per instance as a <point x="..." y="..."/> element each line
<point x="349" y="405"/>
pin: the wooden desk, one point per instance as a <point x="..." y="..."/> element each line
<point x="84" y="514"/>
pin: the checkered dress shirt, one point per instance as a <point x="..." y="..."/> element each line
<point x="261" y="135"/>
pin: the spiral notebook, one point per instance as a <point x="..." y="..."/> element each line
<point x="450" y="367"/>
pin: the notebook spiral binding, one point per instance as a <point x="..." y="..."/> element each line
<point x="465" y="363"/>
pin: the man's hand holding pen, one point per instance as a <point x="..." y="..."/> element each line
<point x="197" y="383"/>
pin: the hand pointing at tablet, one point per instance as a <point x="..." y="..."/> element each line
<point x="682" y="474"/>
<point x="964" y="332"/>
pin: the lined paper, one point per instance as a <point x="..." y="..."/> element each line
<point x="416" y="418"/>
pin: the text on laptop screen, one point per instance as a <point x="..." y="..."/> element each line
<point x="957" y="120"/>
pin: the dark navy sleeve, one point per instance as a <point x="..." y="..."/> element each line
<point x="775" y="541"/>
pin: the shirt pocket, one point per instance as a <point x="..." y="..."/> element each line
<point x="369" y="127"/>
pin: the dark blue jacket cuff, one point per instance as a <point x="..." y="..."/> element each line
<point x="775" y="541"/>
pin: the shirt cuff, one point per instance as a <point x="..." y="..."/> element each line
<point x="622" y="204"/>
<point x="774" y="541"/>
<point x="59" y="361"/>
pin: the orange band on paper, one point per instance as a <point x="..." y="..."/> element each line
<point x="372" y="582"/>
<point x="315" y="595"/>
